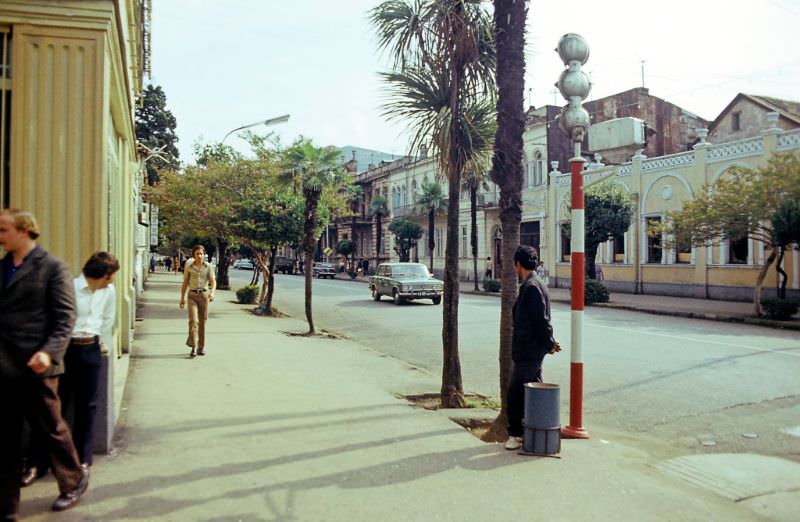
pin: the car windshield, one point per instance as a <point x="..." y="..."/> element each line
<point x="410" y="271"/>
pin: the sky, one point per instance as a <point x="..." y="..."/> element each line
<point x="227" y="64"/>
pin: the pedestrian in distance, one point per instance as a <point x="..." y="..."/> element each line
<point x="37" y="315"/>
<point x="199" y="280"/>
<point x="488" y="273"/>
<point x="95" y="298"/>
<point x="168" y="264"/>
<point x="532" y="339"/>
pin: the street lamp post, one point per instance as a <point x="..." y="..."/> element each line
<point x="271" y="121"/>
<point x="574" y="120"/>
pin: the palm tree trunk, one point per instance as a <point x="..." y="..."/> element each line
<point x="223" y="283"/>
<point x="473" y="218"/>
<point x="431" y="231"/>
<point x="309" y="243"/>
<point x="509" y="31"/>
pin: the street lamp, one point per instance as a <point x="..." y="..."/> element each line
<point x="271" y="121"/>
<point x="574" y="121"/>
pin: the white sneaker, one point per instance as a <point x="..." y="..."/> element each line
<point x="514" y="443"/>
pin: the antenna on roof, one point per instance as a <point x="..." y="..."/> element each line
<point x="642" y="74"/>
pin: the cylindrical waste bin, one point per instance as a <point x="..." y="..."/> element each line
<point x="542" y="422"/>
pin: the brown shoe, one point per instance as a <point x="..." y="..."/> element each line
<point x="68" y="499"/>
<point x="192" y="353"/>
<point x="201" y="351"/>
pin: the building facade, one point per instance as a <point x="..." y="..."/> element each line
<point x="70" y="73"/>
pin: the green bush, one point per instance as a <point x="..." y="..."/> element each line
<point x="594" y="292"/>
<point x="491" y="285"/>
<point x="780" y="309"/>
<point x="247" y="294"/>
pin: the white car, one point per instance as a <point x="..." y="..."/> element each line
<point x="243" y="264"/>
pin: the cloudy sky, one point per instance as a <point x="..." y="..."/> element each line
<point x="227" y="64"/>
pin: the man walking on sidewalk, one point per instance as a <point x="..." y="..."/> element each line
<point x="531" y="340"/>
<point x="198" y="279"/>
<point x="37" y="314"/>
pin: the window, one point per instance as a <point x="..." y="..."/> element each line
<point x="529" y="234"/>
<point x="736" y="121"/>
<point x="537" y="169"/>
<point x="654" y="248"/>
<point x="619" y="249"/>
<point x="566" y="245"/>
<point x="439" y="242"/>
<point x="737" y="251"/>
<point x="464" y="242"/>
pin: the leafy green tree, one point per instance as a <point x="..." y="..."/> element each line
<point x="509" y="33"/>
<point x="155" y="132"/>
<point x="609" y="210"/>
<point x="378" y="208"/>
<point x="744" y="202"/>
<point x="347" y="248"/>
<point x="442" y="81"/>
<point x="406" y="235"/>
<point x="315" y="170"/>
<point x="431" y="201"/>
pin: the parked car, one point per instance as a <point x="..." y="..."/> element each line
<point x="284" y="264"/>
<point x="323" y="270"/>
<point x="243" y="264"/>
<point x="404" y="282"/>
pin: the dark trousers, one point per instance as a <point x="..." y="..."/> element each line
<point x="515" y="395"/>
<point x="78" y="390"/>
<point x="37" y="400"/>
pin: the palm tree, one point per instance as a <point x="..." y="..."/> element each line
<point x="509" y="31"/>
<point x="313" y="169"/>
<point x="472" y="183"/>
<point x="378" y="207"/>
<point x="431" y="201"/>
<point x="443" y="67"/>
<point x="354" y="195"/>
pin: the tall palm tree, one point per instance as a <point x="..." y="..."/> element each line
<point x="509" y="31"/>
<point x="354" y="195"/>
<point x="431" y="201"/>
<point x="474" y="181"/>
<point x="443" y="64"/>
<point x="313" y="169"/>
<point x="378" y="207"/>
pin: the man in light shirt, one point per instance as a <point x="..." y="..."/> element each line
<point x="95" y="298"/>
<point x="198" y="279"/>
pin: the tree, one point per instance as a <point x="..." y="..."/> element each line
<point x="785" y="231"/>
<point x="745" y="202"/>
<point x="406" y="235"/>
<point x="314" y="170"/>
<point x="609" y="211"/>
<point x="355" y="196"/>
<point x="509" y="33"/>
<point x="443" y="78"/>
<point x="347" y="248"/>
<point x="431" y="201"/>
<point x="155" y="131"/>
<point x="378" y="208"/>
<point x="474" y="181"/>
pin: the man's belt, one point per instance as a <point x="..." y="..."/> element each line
<point x="85" y="341"/>
<point x="198" y="290"/>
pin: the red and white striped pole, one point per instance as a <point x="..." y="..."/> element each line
<point x="574" y="121"/>
<point x="575" y="429"/>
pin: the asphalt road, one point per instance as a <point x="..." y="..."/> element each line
<point x="679" y="383"/>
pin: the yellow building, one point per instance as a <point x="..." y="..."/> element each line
<point x="70" y="74"/>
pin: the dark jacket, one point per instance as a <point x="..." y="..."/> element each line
<point x="37" y="312"/>
<point x="533" y="335"/>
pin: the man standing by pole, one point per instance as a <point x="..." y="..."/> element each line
<point x="37" y="314"/>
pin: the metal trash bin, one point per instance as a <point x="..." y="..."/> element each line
<point x="541" y="423"/>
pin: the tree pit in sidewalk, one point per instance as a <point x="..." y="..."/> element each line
<point x="480" y="427"/>
<point x="321" y="334"/>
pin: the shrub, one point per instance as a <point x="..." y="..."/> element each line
<point x="594" y="292"/>
<point x="780" y="309"/>
<point x="247" y="294"/>
<point x="491" y="285"/>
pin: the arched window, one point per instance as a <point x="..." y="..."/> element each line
<point x="537" y="169"/>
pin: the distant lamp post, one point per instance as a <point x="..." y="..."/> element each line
<point x="574" y="120"/>
<point x="269" y="122"/>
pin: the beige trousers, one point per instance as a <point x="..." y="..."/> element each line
<point x="198" y="314"/>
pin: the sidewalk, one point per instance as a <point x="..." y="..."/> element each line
<point x="270" y="426"/>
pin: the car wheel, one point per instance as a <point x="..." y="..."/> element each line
<point x="436" y="300"/>
<point x="376" y="296"/>
<point x="396" y="296"/>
